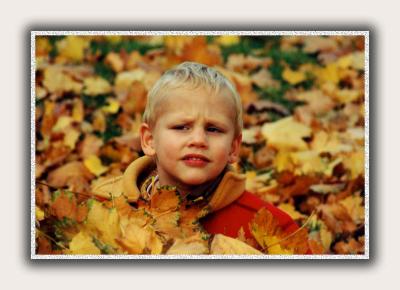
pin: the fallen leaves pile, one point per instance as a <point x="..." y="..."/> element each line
<point x="303" y="142"/>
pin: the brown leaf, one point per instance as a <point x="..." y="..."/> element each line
<point x="197" y="50"/>
<point x="73" y="174"/>
<point x="90" y="145"/>
<point x="352" y="246"/>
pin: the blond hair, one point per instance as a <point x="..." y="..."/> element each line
<point x="194" y="75"/>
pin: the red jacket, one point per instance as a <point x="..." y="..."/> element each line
<point x="231" y="218"/>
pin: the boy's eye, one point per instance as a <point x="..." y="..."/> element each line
<point x="180" y="127"/>
<point x="214" y="129"/>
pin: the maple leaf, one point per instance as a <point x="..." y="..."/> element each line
<point x="90" y="145"/>
<point x="94" y="165"/>
<point x="72" y="47"/>
<point x="286" y="134"/>
<point x="82" y="244"/>
<point x="103" y="223"/>
<point x="136" y="240"/>
<point x="189" y="246"/>
<point x="355" y="162"/>
<point x="65" y="206"/>
<point x="197" y="50"/>
<point x="293" y="77"/>
<point x="115" y="61"/>
<point x="290" y="210"/>
<point x="223" y="245"/>
<point x="354" y="207"/>
<point x="320" y="238"/>
<point x="319" y="43"/>
<point x="58" y="82"/>
<point x="352" y="246"/>
<point x="165" y="199"/>
<point x="72" y="174"/>
<point x="227" y="40"/>
<point x="96" y="85"/>
<point x="167" y="224"/>
<point x="112" y="106"/>
<point x="273" y="239"/>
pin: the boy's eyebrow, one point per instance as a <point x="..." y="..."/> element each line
<point x="190" y="120"/>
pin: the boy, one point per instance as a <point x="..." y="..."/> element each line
<point x="191" y="133"/>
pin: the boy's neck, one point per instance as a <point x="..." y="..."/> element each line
<point x="194" y="192"/>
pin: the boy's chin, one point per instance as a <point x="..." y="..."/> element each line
<point x="196" y="181"/>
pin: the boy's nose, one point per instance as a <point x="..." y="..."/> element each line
<point x="198" y="138"/>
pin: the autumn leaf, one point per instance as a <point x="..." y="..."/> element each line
<point x="223" y="245"/>
<point x="165" y="199"/>
<point x="56" y="81"/>
<point x="72" y="47"/>
<point x="95" y="85"/>
<point x="293" y="77"/>
<point x="286" y="134"/>
<point x="290" y="210"/>
<point x="103" y="222"/>
<point x="273" y="239"/>
<point x="82" y="244"/>
<point x="94" y="165"/>
<point x="188" y="246"/>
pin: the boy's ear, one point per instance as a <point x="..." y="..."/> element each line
<point x="235" y="149"/>
<point x="146" y="140"/>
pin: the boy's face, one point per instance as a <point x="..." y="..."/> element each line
<point x="193" y="138"/>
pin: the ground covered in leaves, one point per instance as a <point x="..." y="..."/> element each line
<point x="303" y="142"/>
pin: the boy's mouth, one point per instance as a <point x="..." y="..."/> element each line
<point x="195" y="160"/>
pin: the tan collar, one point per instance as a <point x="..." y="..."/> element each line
<point x="229" y="189"/>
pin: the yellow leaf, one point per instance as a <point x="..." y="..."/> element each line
<point x="223" y="245"/>
<point x="286" y="134"/>
<point x="354" y="60"/>
<point x="290" y="210"/>
<point x="96" y="86"/>
<point x="293" y="77"/>
<point x="329" y="74"/>
<point x="99" y="121"/>
<point x="355" y="162"/>
<point x="307" y="162"/>
<point x="177" y="43"/>
<point x="39" y="214"/>
<point x="71" y="137"/>
<point x="78" y="110"/>
<point x="345" y="62"/>
<point x="113" y="38"/>
<point x="62" y="123"/>
<point x="103" y="222"/>
<point x="82" y="244"/>
<point x="124" y="79"/>
<point x="72" y="47"/>
<point x="256" y="182"/>
<point x="283" y="161"/>
<point x="347" y="95"/>
<point x="324" y="142"/>
<point x="354" y="207"/>
<point x="115" y="61"/>
<point x="56" y="81"/>
<point x="42" y="45"/>
<point x="228" y="40"/>
<point x="112" y="107"/>
<point x="93" y="163"/>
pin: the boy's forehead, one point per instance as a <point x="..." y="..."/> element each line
<point x="191" y="102"/>
<point x="195" y="96"/>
